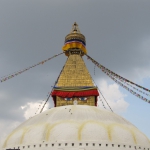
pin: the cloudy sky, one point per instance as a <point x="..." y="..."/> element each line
<point x="117" y="34"/>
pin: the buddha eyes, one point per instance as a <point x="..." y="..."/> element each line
<point x="83" y="98"/>
<point x="80" y="98"/>
<point x="68" y="99"/>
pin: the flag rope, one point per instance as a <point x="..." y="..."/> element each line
<point x="103" y="97"/>
<point x="112" y="75"/>
<point x="135" y="88"/>
<point x="128" y="89"/>
<point x="51" y="90"/>
<point x="20" y="72"/>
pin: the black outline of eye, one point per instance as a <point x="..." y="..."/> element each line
<point x="66" y="99"/>
<point x="85" y="98"/>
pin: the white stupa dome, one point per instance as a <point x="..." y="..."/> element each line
<point x="76" y="127"/>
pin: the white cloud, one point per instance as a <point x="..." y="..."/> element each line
<point x="29" y="110"/>
<point x="33" y="107"/>
<point x="113" y="96"/>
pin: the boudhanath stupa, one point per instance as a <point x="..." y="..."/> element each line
<point x="75" y="122"/>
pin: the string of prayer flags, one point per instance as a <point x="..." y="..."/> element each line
<point x="20" y="72"/>
<point x="128" y="89"/>
<point x="114" y="74"/>
<point x="135" y="88"/>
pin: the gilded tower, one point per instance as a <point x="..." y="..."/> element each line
<point x="75" y="85"/>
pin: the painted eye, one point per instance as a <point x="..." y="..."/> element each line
<point x="83" y="98"/>
<point x="68" y="98"/>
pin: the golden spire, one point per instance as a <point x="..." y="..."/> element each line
<point x="75" y="73"/>
<point x="75" y="85"/>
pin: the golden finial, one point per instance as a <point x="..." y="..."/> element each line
<point x="75" y="28"/>
<point x="75" y="40"/>
<point x="75" y="34"/>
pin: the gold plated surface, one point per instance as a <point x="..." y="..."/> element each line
<point x="75" y="28"/>
<point x="74" y="73"/>
<point x="62" y="102"/>
<point x="75" y="36"/>
<point x="75" y="33"/>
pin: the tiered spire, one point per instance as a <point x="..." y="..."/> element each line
<point x="75" y="85"/>
<point x="75" y="40"/>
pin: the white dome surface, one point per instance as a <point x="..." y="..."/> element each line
<point x="79" y="125"/>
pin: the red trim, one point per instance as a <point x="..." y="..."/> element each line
<point x="75" y="93"/>
<point x="54" y="100"/>
<point x="96" y="100"/>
